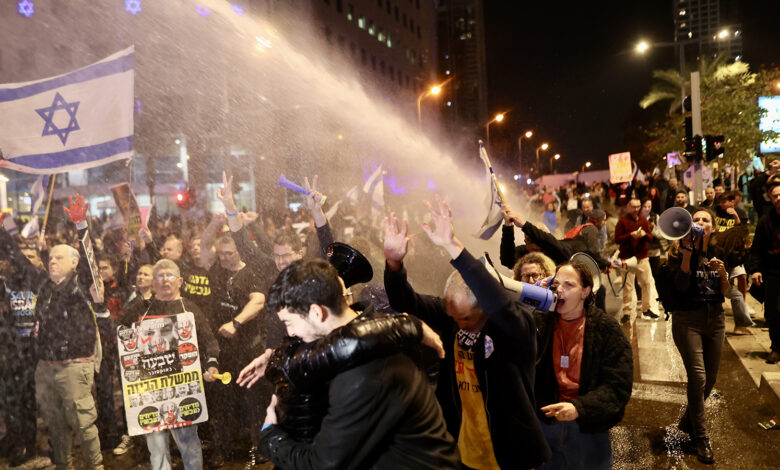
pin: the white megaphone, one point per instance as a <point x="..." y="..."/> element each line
<point x="676" y="223"/>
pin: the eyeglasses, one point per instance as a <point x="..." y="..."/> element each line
<point x="530" y="277"/>
<point x="166" y="277"/>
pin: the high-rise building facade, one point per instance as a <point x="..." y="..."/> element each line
<point x="700" y="23"/>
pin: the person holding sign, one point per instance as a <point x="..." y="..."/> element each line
<point x="167" y="302"/>
<point x="66" y="337"/>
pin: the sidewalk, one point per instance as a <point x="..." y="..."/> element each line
<point x="752" y="350"/>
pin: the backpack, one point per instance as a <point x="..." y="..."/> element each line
<point x="575" y="231"/>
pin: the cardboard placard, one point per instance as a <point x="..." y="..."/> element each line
<point x="620" y="169"/>
<point x="128" y="206"/>
<point x="86" y="242"/>
<point x="162" y="384"/>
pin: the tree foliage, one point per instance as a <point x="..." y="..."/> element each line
<point x="729" y="107"/>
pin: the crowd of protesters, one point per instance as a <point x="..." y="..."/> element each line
<point x="340" y="396"/>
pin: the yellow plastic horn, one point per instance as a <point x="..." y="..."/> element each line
<point x="224" y="377"/>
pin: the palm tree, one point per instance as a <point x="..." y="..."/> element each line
<point x="669" y="83"/>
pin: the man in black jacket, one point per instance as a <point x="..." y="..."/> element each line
<point x="486" y="382"/>
<point x="66" y="337"/>
<point x="382" y="414"/>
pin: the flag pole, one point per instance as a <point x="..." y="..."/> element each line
<point x="492" y="174"/>
<point x="50" y="189"/>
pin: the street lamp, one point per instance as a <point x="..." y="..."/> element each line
<point x="433" y="91"/>
<point x="499" y="117"/>
<point x="644" y="46"/>
<point x="528" y="134"/>
<point x="557" y="156"/>
<point x="544" y="146"/>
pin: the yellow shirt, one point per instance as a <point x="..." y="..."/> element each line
<point x="474" y="444"/>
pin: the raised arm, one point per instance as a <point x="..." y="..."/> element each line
<point x="501" y="308"/>
<point x="208" y="237"/>
<point x="400" y="293"/>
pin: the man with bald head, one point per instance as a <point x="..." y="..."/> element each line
<point x="66" y="337"/>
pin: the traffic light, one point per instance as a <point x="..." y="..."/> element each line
<point x="714" y="147"/>
<point x="185" y="198"/>
<point x="690" y="145"/>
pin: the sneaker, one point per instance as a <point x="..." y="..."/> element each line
<point x="773" y="358"/>
<point x="740" y="331"/>
<point x="649" y="314"/>
<point x="255" y="459"/>
<point x="124" y="445"/>
<point x="21" y="455"/>
<point x="704" y="451"/>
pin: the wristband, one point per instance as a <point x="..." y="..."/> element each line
<point x="231" y="216"/>
<point x="236" y="324"/>
<point x="265" y="426"/>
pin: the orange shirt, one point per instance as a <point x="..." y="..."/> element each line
<point x="568" y="340"/>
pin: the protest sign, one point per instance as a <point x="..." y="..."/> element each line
<point x="86" y="242"/>
<point x="128" y="206"/>
<point x="620" y="169"/>
<point x="161" y="376"/>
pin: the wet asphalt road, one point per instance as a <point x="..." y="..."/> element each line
<point x="647" y="437"/>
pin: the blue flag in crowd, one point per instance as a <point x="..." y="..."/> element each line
<point x="37" y="194"/>
<point x="375" y="188"/>
<point x="74" y="121"/>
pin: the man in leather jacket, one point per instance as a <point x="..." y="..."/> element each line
<point x="381" y="413"/>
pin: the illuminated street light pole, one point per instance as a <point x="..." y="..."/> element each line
<point x="528" y="134"/>
<point x="643" y="46"/>
<point x="557" y="156"/>
<point x="434" y="90"/>
<point x="544" y="146"/>
<point x="3" y="193"/>
<point x="499" y="117"/>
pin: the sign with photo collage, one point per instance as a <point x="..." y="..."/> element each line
<point x="162" y="383"/>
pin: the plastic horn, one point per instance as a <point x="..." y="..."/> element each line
<point x="286" y="183"/>
<point x="224" y="377"/>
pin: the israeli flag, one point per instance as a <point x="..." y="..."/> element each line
<point x="74" y="121"/>
<point x="376" y="189"/>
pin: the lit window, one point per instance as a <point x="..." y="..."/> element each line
<point x="682" y="12"/>
<point x="362" y="22"/>
<point x="389" y="41"/>
<point x="380" y="36"/>
<point x="371" y="29"/>
<point x="351" y="12"/>
<point x="446" y="72"/>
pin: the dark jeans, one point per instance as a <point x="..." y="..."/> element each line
<point x="104" y="382"/>
<point x="17" y="377"/>
<point x="772" y="310"/>
<point x="698" y="335"/>
<point x="572" y="449"/>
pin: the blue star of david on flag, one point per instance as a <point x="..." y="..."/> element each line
<point x="50" y="128"/>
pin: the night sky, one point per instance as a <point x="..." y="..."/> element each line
<point x="568" y="71"/>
